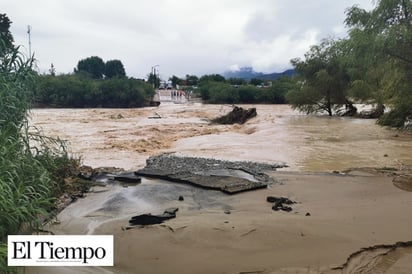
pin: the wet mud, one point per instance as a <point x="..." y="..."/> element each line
<point x="376" y="259"/>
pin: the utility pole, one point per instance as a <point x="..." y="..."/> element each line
<point x="154" y="75"/>
<point x="29" y="32"/>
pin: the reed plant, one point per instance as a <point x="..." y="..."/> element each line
<point x="30" y="163"/>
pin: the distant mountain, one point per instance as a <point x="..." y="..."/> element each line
<point x="248" y="73"/>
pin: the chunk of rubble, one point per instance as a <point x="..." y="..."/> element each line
<point x="227" y="176"/>
<point x="238" y="115"/>
<point x="280" y="203"/>
<point x="149" y="219"/>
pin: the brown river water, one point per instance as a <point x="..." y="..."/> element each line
<point x="126" y="137"/>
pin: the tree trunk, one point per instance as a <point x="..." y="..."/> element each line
<point x="329" y="105"/>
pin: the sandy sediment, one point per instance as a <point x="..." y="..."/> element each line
<point x="335" y="216"/>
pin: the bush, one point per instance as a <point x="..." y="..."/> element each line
<point x="80" y="91"/>
<point x="224" y="93"/>
<point x="399" y="117"/>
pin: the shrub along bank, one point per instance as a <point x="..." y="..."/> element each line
<point x="32" y="166"/>
<point x="77" y="90"/>
<point x="222" y="92"/>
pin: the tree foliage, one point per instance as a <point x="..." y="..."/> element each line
<point x="212" y="78"/>
<point x="236" y="81"/>
<point x="225" y="93"/>
<point x="256" y="82"/>
<point x="93" y="66"/>
<point x="372" y="65"/>
<point x="382" y="49"/>
<point x="323" y="79"/>
<point x="80" y="91"/>
<point x="6" y="37"/>
<point x="192" y="80"/>
<point x="176" y="80"/>
<point x="153" y="79"/>
<point x="114" y="69"/>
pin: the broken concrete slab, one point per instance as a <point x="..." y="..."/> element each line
<point x="227" y="176"/>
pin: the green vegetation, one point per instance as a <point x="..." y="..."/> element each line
<point x="32" y="166"/>
<point x="324" y="80"/>
<point x="82" y="91"/>
<point x="93" y="66"/>
<point x="93" y="84"/>
<point x="153" y="79"/>
<point x="96" y="68"/>
<point x="373" y="65"/>
<point x="215" y="90"/>
<point x="114" y="69"/>
<point x="6" y="36"/>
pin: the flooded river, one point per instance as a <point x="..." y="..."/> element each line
<point x="204" y="238"/>
<point x="126" y="137"/>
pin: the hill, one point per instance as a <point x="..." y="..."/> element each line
<point x="248" y="73"/>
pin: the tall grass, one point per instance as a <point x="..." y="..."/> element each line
<point x="29" y="161"/>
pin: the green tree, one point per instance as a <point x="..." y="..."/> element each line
<point x="212" y="78"/>
<point x="248" y="94"/>
<point x="176" y="80"/>
<point x="237" y="81"/>
<point x="154" y="80"/>
<point x="93" y="66"/>
<point x="382" y="57"/>
<point x="6" y="38"/>
<point x="256" y="82"/>
<point x="218" y="92"/>
<point x="114" y="68"/>
<point x="73" y="90"/>
<point x="192" y="80"/>
<point x="275" y="94"/>
<point x="323" y="79"/>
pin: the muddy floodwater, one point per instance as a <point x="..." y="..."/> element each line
<point x="126" y="137"/>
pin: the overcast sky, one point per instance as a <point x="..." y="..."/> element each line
<point x="181" y="36"/>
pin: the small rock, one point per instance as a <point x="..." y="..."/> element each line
<point x="307" y="214"/>
<point x="385" y="155"/>
<point x="181" y="198"/>
<point x="279" y="206"/>
<point x="283" y="200"/>
<point x="227" y="211"/>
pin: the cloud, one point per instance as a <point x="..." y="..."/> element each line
<point x="183" y="37"/>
